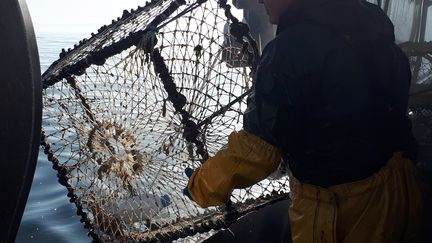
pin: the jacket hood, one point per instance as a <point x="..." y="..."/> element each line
<point x="359" y="20"/>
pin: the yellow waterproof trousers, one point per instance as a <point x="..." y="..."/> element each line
<point x="383" y="208"/>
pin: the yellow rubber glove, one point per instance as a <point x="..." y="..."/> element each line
<point x="244" y="161"/>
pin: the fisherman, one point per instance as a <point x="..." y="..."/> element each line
<point x="330" y="99"/>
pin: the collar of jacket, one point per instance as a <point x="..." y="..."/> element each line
<point x="295" y="12"/>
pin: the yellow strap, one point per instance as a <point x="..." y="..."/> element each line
<point x="244" y="161"/>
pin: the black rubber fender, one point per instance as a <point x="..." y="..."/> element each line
<point x="20" y="113"/>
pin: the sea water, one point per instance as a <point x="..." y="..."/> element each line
<point x="49" y="216"/>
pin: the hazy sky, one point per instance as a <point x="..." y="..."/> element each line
<point x="86" y="16"/>
<point x="82" y="16"/>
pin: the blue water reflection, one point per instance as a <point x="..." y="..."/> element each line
<point x="49" y="216"/>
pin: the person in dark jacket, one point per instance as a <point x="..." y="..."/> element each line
<point x="330" y="98"/>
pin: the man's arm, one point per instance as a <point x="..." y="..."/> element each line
<point x="252" y="154"/>
<point x="244" y="161"/>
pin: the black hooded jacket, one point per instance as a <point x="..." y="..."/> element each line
<point x="331" y="92"/>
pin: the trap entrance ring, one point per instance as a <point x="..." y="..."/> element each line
<point x="126" y="111"/>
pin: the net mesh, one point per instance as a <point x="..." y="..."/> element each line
<point x="420" y="112"/>
<point x="155" y="92"/>
<point x="118" y="131"/>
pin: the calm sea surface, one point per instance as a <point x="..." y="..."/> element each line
<point x="49" y="216"/>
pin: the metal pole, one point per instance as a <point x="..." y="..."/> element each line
<point x="425" y="8"/>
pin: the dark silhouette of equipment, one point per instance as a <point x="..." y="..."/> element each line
<point x="255" y="16"/>
<point x="20" y="111"/>
<point x="261" y="30"/>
